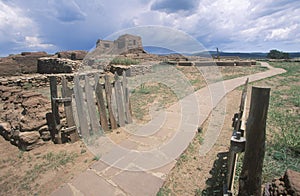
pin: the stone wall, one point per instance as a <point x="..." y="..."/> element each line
<point x="29" y="81"/>
<point x="132" y="70"/>
<point x="23" y="117"/>
<point x="72" y="54"/>
<point x="26" y="62"/>
<point x="50" y="65"/>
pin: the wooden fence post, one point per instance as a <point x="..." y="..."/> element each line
<point x="55" y="112"/>
<point x="108" y="92"/>
<point x="119" y="100"/>
<point x="66" y="92"/>
<point x="82" y="116"/>
<point x="126" y="99"/>
<point x="101" y="104"/>
<point x="54" y="105"/>
<point x="95" y="127"/>
<point x="250" y="178"/>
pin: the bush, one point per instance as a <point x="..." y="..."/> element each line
<point x="124" y="61"/>
<point x="275" y="54"/>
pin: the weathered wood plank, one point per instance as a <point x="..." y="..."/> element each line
<point x="51" y="125"/>
<point x="66" y="93"/>
<point x="82" y="116"/>
<point x="54" y="105"/>
<point x="250" y="178"/>
<point x="55" y="110"/>
<point x="108" y="92"/>
<point x="126" y="99"/>
<point x="119" y="100"/>
<point x="94" y="122"/>
<point x="101" y="104"/>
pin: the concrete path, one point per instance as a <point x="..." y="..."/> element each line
<point x="139" y="163"/>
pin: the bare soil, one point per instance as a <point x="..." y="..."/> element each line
<point x="193" y="174"/>
<point x="41" y="170"/>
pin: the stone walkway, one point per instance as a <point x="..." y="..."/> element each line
<point x="139" y="164"/>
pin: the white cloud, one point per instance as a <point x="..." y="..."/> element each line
<point x="17" y="31"/>
<point x="281" y="33"/>
<point x="35" y="42"/>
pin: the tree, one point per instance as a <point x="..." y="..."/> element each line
<point x="275" y="54"/>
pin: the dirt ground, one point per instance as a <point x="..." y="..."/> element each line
<point x="41" y="170"/>
<point x="195" y="175"/>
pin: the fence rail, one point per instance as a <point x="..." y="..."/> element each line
<point x="237" y="142"/>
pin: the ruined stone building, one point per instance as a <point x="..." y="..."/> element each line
<point x="122" y="44"/>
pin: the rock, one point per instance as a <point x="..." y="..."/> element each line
<point x="23" y="117"/>
<point x="292" y="182"/>
<point x="45" y="133"/>
<point x="27" y="147"/>
<point x="5" y="130"/>
<point x="29" y="137"/>
<point x="4" y="126"/>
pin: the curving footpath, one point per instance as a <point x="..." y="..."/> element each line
<point x="139" y="164"/>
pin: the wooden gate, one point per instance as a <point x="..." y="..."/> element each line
<point x="95" y="104"/>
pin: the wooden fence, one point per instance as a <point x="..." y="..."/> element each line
<point x="254" y="147"/>
<point x="95" y="104"/>
<point x="237" y="142"/>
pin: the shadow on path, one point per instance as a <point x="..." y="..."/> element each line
<point x="218" y="176"/>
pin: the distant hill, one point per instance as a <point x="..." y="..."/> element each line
<point x="247" y="55"/>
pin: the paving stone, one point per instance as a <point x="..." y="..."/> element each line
<point x="177" y="144"/>
<point x="163" y="171"/>
<point x="138" y="183"/>
<point x="91" y="184"/>
<point x="99" y="166"/>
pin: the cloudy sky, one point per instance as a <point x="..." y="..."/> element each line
<point x="230" y="25"/>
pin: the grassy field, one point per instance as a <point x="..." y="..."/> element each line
<point x="162" y="96"/>
<point x="283" y="125"/>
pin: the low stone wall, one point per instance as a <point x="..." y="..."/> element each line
<point x="185" y="63"/>
<point x="243" y="63"/>
<point x="131" y="70"/>
<point x="29" y="81"/>
<point x="138" y="70"/>
<point x="72" y="55"/>
<point x="23" y="117"/>
<point x="26" y="62"/>
<point x="50" y="65"/>
<point x="225" y="63"/>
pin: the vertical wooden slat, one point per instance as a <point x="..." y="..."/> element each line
<point x="82" y="116"/>
<point x="54" y="105"/>
<point x="51" y="125"/>
<point x="95" y="126"/>
<point x="126" y="99"/>
<point x="108" y="92"/>
<point x="101" y="104"/>
<point x="119" y="100"/>
<point x="55" y="111"/>
<point x="66" y="92"/>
